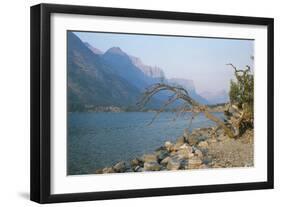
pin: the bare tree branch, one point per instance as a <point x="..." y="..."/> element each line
<point x="182" y="94"/>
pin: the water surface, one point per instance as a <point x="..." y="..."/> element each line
<point x="99" y="139"/>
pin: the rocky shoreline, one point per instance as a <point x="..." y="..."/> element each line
<point x="203" y="148"/>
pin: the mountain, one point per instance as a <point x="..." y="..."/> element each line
<point x="190" y="87"/>
<point x="121" y="64"/>
<point x="114" y="78"/>
<point x="93" y="49"/>
<point x="216" y="97"/>
<point x="90" y="81"/>
<point x="187" y="84"/>
<point x="151" y="71"/>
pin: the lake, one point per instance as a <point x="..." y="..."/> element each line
<point x="99" y="139"/>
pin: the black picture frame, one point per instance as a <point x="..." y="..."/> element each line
<point x="40" y="184"/>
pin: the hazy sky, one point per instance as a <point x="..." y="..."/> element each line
<point x="201" y="59"/>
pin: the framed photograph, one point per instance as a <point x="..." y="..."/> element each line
<point x="133" y="103"/>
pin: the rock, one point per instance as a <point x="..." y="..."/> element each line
<point x="201" y="138"/>
<point x="150" y="158"/>
<point x="222" y="137"/>
<point x="185" y="151"/>
<point x="186" y="147"/>
<point x="207" y="160"/>
<point x="120" y="167"/>
<point x="165" y="161"/>
<point x="99" y="171"/>
<point x="151" y="166"/>
<point x="194" y="148"/>
<point x="135" y="162"/>
<point x="212" y="140"/>
<point x="169" y="146"/>
<point x="174" y="164"/>
<point x="184" y="154"/>
<point x="162" y="154"/>
<point x="194" y="162"/>
<point x="108" y="170"/>
<point x="204" y="151"/>
<point x="138" y="169"/>
<point x="129" y="170"/>
<point x="192" y="139"/>
<point x="198" y="153"/>
<point x="203" y="144"/>
<point x="203" y="166"/>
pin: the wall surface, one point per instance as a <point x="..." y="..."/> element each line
<point x="14" y="104"/>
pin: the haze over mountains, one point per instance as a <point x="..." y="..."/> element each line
<point x="114" y="78"/>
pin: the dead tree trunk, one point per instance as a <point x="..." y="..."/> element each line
<point x="180" y="93"/>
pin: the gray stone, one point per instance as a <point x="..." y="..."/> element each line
<point x="120" y="167"/>
<point x="192" y="139"/>
<point x="174" y="163"/>
<point x="198" y="153"/>
<point x="99" y="171"/>
<point x="201" y="138"/>
<point x="135" y="162"/>
<point x="150" y="158"/>
<point x="207" y="160"/>
<point x="108" y="170"/>
<point x="184" y="154"/>
<point x="194" y="162"/>
<point x="162" y="154"/>
<point x="151" y="166"/>
<point x="165" y="161"/>
<point x="186" y="147"/>
<point x="169" y="146"/>
<point x="185" y="151"/>
<point x="203" y="144"/>
<point x="138" y="169"/>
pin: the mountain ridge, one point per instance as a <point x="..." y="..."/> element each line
<point x="114" y="78"/>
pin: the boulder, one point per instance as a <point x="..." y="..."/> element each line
<point x="203" y="144"/>
<point x="212" y="140"/>
<point x="185" y="151"/>
<point x="203" y="166"/>
<point x="207" y="160"/>
<point x="201" y="138"/>
<point x="194" y="162"/>
<point x="185" y="154"/>
<point x="192" y="139"/>
<point x="174" y="163"/>
<point x="108" y="170"/>
<point x="135" y="162"/>
<point x="150" y="158"/>
<point x="151" y="166"/>
<point x="198" y="153"/>
<point x="222" y="137"/>
<point x="120" y="167"/>
<point x="139" y="169"/>
<point x="165" y="161"/>
<point x="186" y="147"/>
<point x="162" y="154"/>
<point x="129" y="170"/>
<point x="169" y="146"/>
<point x="99" y="171"/>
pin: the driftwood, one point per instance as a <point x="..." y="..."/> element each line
<point x="179" y="93"/>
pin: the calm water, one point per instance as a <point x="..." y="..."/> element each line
<point x="96" y="140"/>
